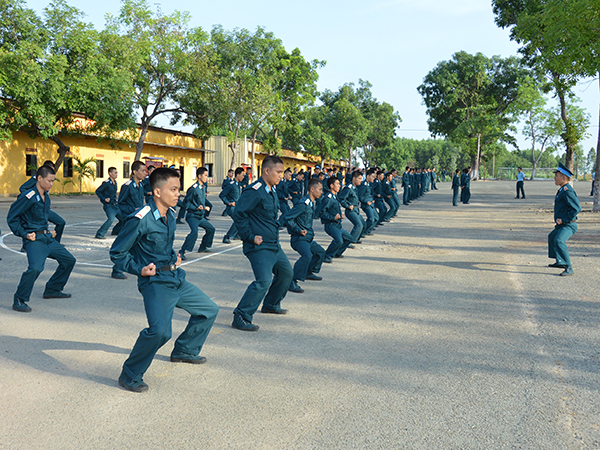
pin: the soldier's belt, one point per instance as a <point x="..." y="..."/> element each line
<point x="42" y="232"/>
<point x="169" y="268"/>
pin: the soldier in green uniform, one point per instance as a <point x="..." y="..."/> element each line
<point x="255" y="217"/>
<point x="465" y="184"/>
<point x="387" y="195"/>
<point x="28" y="219"/>
<point x="296" y="188"/>
<point x="299" y="222"/>
<point x="455" y="186"/>
<point x="53" y="217"/>
<point x="406" y="186"/>
<point x="348" y="198"/>
<point x="197" y="205"/>
<point x="566" y="208"/>
<point x="379" y="199"/>
<point x="230" y="195"/>
<point x="365" y="195"/>
<point x="107" y="193"/>
<point x="283" y="194"/>
<point x="145" y="248"/>
<point x="331" y="217"/>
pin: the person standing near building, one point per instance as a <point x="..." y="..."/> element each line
<point x="145" y="248"/>
<point x="230" y="195"/>
<point x="28" y="219"/>
<point x="299" y="222"/>
<point x="107" y="193"/>
<point x="520" y="182"/>
<point x="197" y="205"/>
<point x="255" y="217"/>
<point x="566" y="208"/>
<point x="455" y="187"/>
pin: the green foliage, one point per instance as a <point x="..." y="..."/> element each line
<point x="53" y="67"/>
<point x="84" y="168"/>
<point x="468" y="99"/>
<point x="168" y="63"/>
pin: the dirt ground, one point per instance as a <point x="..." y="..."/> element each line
<point x="446" y="329"/>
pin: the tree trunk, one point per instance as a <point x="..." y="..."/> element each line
<point x="139" y="147"/>
<point x="234" y="152"/>
<point x="567" y="134"/>
<point x="62" y="151"/>
<point x="253" y="161"/>
<point x="533" y="137"/>
<point x="478" y="158"/>
<point x="596" y="206"/>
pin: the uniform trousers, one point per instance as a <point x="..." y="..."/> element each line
<point x="557" y="242"/>
<point x="311" y="258"/>
<point x="232" y="232"/>
<point x="190" y="240"/>
<point x="381" y="210"/>
<point x="520" y="189"/>
<point x="111" y="212"/>
<point x="405" y="195"/>
<point x="341" y="240"/>
<point x="455" y="196"/>
<point x="358" y="223"/>
<point x="44" y="246"/>
<point x="372" y="217"/>
<point x="466" y="195"/>
<point x="273" y="274"/>
<point x="160" y="300"/>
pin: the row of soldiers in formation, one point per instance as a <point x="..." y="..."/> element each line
<point x="146" y="234"/>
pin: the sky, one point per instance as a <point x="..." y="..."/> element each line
<point x="392" y="44"/>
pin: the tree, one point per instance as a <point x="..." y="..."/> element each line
<point x="468" y="100"/>
<point x="84" y="168"/>
<point x="52" y="69"/>
<point x="360" y="120"/>
<point x="541" y="125"/>
<point x="168" y="62"/>
<point x="558" y="41"/>
<point x="317" y="135"/>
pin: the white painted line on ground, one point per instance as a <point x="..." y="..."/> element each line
<point x="4" y="246"/>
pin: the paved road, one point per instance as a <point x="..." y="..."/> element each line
<point x="445" y="330"/>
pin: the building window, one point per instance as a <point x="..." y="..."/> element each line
<point x="126" y="169"/>
<point x="68" y="167"/>
<point x="209" y="167"/>
<point x="99" y="168"/>
<point x="30" y="164"/>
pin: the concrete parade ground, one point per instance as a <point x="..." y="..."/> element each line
<point x="443" y="330"/>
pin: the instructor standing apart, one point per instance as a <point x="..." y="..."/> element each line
<point x="566" y="208"/>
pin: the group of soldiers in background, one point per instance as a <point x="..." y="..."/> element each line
<point x="145" y="209"/>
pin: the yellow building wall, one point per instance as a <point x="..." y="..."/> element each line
<point x="13" y="159"/>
